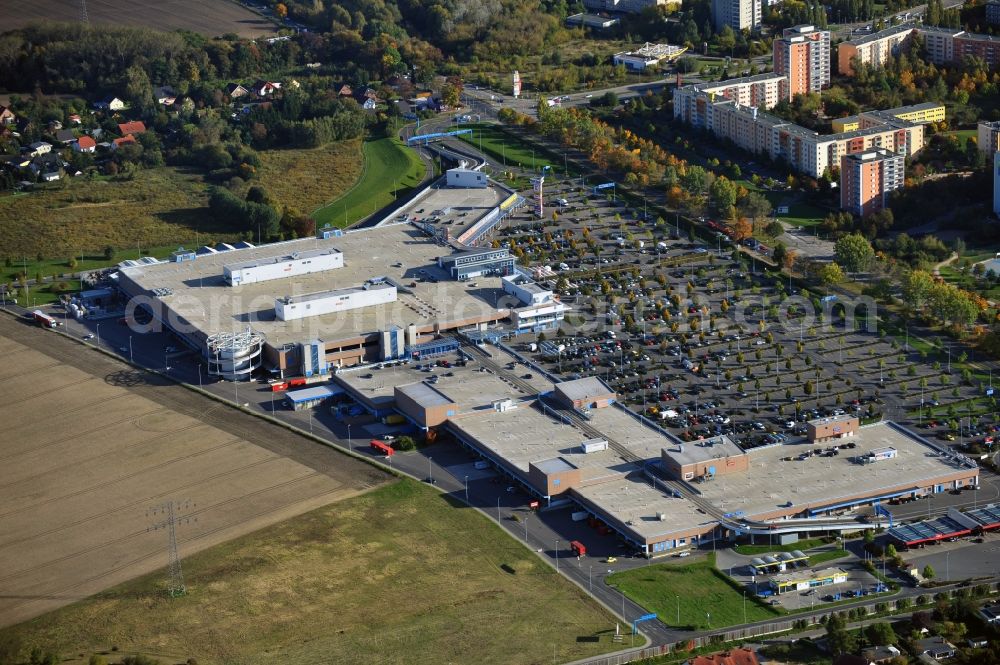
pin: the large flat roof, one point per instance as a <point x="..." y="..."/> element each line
<point x="526" y="435"/>
<point x="817" y="481"/>
<point x="703" y="451"/>
<point x="457" y="208"/>
<point x="399" y="251"/>
<point x="646" y="510"/>
<point x="588" y="386"/>
<point x="424" y="394"/>
<point x="467" y="387"/>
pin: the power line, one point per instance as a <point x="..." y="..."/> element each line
<point x="171" y="514"/>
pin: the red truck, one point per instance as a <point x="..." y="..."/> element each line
<point x="382" y="448"/>
<point x="44" y="320"/>
<point x="578" y="548"/>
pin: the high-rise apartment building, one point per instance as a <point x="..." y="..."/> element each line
<point x="802" y="54"/>
<point x="867" y="178"/>
<point x="737" y="14"/>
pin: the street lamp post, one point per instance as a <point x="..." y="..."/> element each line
<point x="467" y="489"/>
<point x="430" y="470"/>
<point x="557" y="556"/>
<point x="98" y="335"/>
<point x="350" y="446"/>
<point x="678" y="610"/>
<point x="131" y="358"/>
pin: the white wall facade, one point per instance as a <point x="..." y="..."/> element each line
<point x="341" y="300"/>
<point x="280" y="268"/>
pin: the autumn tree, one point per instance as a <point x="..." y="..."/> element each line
<point x="742" y="230"/>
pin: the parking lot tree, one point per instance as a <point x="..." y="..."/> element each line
<point x="928" y="572"/>
<point x="809" y="388"/>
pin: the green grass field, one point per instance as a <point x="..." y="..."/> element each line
<point x="508" y="149"/>
<point x="399" y="575"/>
<point x="703" y="595"/>
<point x="799" y="214"/>
<point x="963" y="135"/>
<point x="757" y="550"/>
<point x="830" y="555"/>
<point x="390" y="171"/>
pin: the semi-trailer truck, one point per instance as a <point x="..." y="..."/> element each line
<point x="44" y="320"/>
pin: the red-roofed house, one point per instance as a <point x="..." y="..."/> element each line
<point x="733" y="657"/>
<point x="265" y="88"/>
<point x="132" y="127"/>
<point x="85" y="144"/>
<point x="125" y="140"/>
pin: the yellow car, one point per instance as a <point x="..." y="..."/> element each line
<point x="611" y="559"/>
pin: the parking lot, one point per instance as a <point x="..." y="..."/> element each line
<point x="963" y="559"/>
<point x="701" y="339"/>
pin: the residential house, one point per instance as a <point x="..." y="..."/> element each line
<point x="110" y="104"/>
<point x="39" y="148"/>
<point x="7" y="116"/>
<point x="265" y="88"/>
<point x="732" y="657"/>
<point x="65" y="136"/>
<point x="935" y="647"/>
<point x="54" y="125"/>
<point x="990" y="614"/>
<point x="75" y="119"/>
<point x="235" y="91"/>
<point x="369" y="99"/>
<point x="48" y="167"/>
<point x="165" y="95"/>
<point x="851" y="659"/>
<point x="15" y="163"/>
<point x="404" y="109"/>
<point x="125" y="140"/>
<point x="85" y="144"/>
<point x="880" y="655"/>
<point x="977" y="642"/>
<point x="345" y="91"/>
<point x="131" y="127"/>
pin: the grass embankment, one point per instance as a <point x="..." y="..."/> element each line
<point x="391" y="171"/>
<point x="706" y="598"/>
<point x="395" y="576"/>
